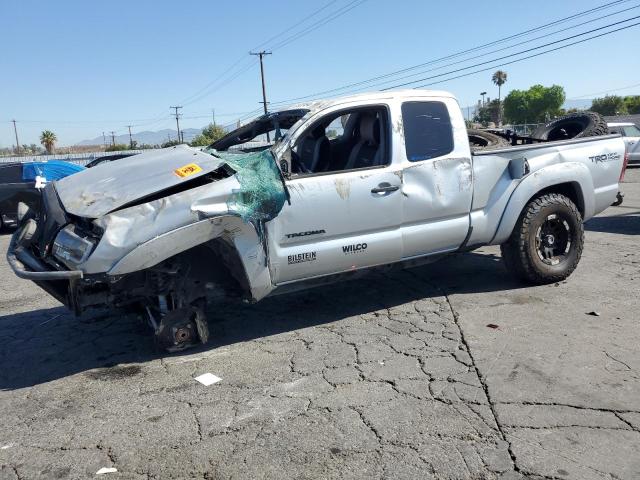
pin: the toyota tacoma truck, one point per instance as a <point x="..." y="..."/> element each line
<point x="307" y="196"/>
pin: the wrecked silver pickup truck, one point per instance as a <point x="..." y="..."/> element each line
<point x="349" y="184"/>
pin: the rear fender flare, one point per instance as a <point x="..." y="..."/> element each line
<point x="573" y="173"/>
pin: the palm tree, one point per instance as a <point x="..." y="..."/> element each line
<point x="499" y="78"/>
<point x="48" y="140"/>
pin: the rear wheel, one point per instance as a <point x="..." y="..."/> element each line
<point x="547" y="241"/>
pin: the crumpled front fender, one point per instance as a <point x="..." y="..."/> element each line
<point x="232" y="229"/>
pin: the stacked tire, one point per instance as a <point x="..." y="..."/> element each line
<point x="480" y="139"/>
<point x="574" y="125"/>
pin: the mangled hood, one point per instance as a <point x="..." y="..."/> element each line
<point x="98" y="191"/>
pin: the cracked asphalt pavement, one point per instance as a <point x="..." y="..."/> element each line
<point x="449" y="371"/>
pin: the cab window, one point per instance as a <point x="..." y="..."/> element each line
<point x="344" y="140"/>
<point x="427" y="130"/>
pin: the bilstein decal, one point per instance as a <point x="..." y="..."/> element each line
<point x="301" y="258"/>
<point x="356" y="248"/>
<point x="304" y="234"/>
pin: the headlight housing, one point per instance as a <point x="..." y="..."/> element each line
<point x="71" y="247"/>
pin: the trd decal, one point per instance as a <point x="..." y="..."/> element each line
<point x="605" y="157"/>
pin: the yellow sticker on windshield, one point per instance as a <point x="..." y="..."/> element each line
<point x="187" y="170"/>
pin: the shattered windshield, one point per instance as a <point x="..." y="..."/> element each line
<point x="262" y="193"/>
<point x="261" y="133"/>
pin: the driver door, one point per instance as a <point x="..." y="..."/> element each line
<point x="341" y="220"/>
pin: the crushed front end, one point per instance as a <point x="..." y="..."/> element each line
<point x="164" y="253"/>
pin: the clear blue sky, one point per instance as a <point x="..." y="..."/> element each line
<point x="79" y="68"/>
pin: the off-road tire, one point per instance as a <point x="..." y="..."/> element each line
<point x="521" y="252"/>
<point x="479" y="139"/>
<point x="574" y="125"/>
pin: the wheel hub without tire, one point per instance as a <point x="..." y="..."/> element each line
<point x="182" y="328"/>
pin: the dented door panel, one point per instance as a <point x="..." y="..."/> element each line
<point x="437" y="192"/>
<point x="437" y="196"/>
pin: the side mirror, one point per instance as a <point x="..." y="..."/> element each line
<point x="285" y="162"/>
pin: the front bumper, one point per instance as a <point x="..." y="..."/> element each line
<point x="26" y="265"/>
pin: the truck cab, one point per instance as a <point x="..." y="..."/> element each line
<point x="370" y="179"/>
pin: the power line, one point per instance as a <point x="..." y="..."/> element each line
<point x="463" y="52"/>
<point x="323" y="21"/>
<point x="605" y="91"/>
<point x="218" y="82"/>
<point x="519" y="53"/>
<point x="294" y="26"/>
<point x="530" y="56"/>
<point x="213" y="85"/>
<point x="177" y="120"/>
<point x="261" y="54"/>
<point x="130" y="137"/>
<point x="15" y="130"/>
<point x="515" y="45"/>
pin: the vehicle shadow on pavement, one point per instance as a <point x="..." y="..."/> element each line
<point x="44" y="345"/>
<point x="623" y="224"/>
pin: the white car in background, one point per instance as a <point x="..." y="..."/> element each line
<point x="631" y="136"/>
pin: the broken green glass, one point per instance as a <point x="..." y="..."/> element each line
<point x="262" y="195"/>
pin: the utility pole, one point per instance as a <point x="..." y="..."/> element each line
<point x="261" y="54"/>
<point x="213" y="113"/>
<point x="15" y="130"/>
<point x="104" y="141"/>
<point x="113" y="138"/>
<point x="178" y="115"/>
<point x="130" y="137"/>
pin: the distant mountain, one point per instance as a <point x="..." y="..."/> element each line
<point x="148" y="137"/>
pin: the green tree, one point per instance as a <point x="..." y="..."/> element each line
<point x="536" y="104"/>
<point x="609" y="105"/>
<point x="632" y="103"/>
<point x="209" y="134"/>
<point x="48" y="140"/>
<point x="490" y="112"/>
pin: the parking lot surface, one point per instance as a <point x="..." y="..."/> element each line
<point x="452" y="370"/>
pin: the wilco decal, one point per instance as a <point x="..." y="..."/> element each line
<point x="607" y="157"/>
<point x="304" y="234"/>
<point x="351" y="249"/>
<point x="301" y="257"/>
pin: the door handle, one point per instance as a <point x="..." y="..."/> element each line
<point x="385" y="188"/>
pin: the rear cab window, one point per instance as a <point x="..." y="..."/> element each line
<point x="427" y="130"/>
<point x="631" y="131"/>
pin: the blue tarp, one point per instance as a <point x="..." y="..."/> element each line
<point x="51" y="170"/>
